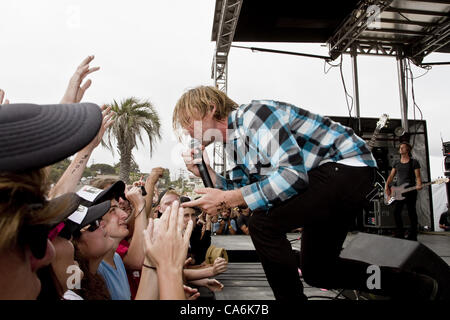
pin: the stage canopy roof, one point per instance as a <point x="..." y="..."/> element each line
<point x="409" y="28"/>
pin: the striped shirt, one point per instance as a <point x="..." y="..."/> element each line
<point x="272" y="146"/>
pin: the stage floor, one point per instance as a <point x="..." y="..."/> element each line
<point x="245" y="280"/>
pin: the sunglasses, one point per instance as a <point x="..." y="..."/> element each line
<point x="35" y="237"/>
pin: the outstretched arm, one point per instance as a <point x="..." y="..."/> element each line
<point x="220" y="266"/>
<point x="166" y="247"/>
<point x="70" y="178"/>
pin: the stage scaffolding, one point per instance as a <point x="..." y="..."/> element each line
<point x="404" y="29"/>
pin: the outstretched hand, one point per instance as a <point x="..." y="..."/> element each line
<point x="2" y="96"/>
<point x="211" y="202"/>
<point x="166" y="244"/>
<point x="214" y="285"/>
<point x="107" y="121"/>
<point x="75" y="90"/>
<point x="220" y="266"/>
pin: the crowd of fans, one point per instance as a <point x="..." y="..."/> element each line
<point x="104" y="241"/>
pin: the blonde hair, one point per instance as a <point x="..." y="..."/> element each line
<point x="197" y="102"/>
<point x="23" y="202"/>
<point x="103" y="183"/>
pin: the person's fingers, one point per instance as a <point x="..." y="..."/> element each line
<point x="188" y="232"/>
<point x="194" y="296"/>
<point x="108" y="120"/>
<point x="86" y="60"/>
<point x="219" y="260"/>
<point x="109" y="123"/>
<point x="202" y="190"/>
<point x="86" y="85"/>
<point x="173" y="221"/>
<point x="165" y="217"/>
<point x="106" y="110"/>
<point x="180" y="223"/>
<point x="187" y="262"/>
<point x="88" y="71"/>
<point x="193" y="203"/>
<point x="107" y="114"/>
<point x="79" y="74"/>
<point x="157" y="229"/>
<point x="148" y="234"/>
<point x="187" y="157"/>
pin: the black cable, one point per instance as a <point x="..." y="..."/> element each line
<point x="349" y="107"/>
<point x="414" y="102"/>
<point x="331" y="66"/>
<point x="326" y="58"/>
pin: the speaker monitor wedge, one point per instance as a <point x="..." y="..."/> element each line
<point x="399" y="253"/>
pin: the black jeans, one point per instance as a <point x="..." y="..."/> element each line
<point x="336" y="193"/>
<point x="410" y="201"/>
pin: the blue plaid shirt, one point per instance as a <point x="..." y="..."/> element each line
<point x="273" y="145"/>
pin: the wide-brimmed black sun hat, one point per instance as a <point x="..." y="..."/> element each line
<point x="35" y="136"/>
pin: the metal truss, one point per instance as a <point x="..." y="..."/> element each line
<point x="354" y="25"/>
<point x="228" y="13"/>
<point x="439" y="36"/>
<point x="376" y="48"/>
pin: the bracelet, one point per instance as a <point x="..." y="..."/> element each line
<point x="150" y="267"/>
<point x="141" y="210"/>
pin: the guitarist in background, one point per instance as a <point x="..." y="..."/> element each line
<point x="407" y="171"/>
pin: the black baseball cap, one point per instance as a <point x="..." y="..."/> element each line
<point x="113" y="192"/>
<point x="84" y="216"/>
<point x="34" y="136"/>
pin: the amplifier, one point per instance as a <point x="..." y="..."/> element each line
<point x="446" y="148"/>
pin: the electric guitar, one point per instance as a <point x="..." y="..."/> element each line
<point x="377" y="191"/>
<point x="397" y="192"/>
<point x="380" y="125"/>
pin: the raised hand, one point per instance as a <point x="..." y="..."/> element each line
<point x="154" y="176"/>
<point x="166" y="244"/>
<point x="75" y="90"/>
<point x="108" y="120"/>
<point x="2" y="96"/>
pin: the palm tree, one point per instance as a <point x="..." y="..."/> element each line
<point x="132" y="118"/>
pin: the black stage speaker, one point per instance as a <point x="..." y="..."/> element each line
<point x="398" y="253"/>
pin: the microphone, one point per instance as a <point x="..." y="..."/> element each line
<point x="204" y="174"/>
